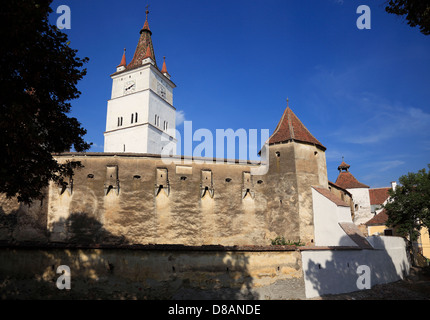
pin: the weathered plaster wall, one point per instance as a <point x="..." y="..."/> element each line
<point x="152" y="274"/>
<point x="362" y="201"/>
<point x="278" y="203"/>
<point x="298" y="166"/>
<point x="177" y="214"/>
<point x="19" y="222"/>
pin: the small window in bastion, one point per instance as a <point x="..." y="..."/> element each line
<point x="162" y="181"/>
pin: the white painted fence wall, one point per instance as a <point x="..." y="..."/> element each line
<point x="335" y="271"/>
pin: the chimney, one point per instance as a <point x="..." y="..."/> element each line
<point x="393" y="185"/>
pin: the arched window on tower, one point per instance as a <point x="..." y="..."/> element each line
<point x="132" y="116"/>
<point x="135" y="117"/>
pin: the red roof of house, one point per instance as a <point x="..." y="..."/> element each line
<point x="290" y="128"/>
<point x="379" y="219"/>
<point x="347" y="181"/>
<point x="332" y="197"/>
<point x="379" y="195"/>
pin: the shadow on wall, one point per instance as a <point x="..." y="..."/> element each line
<point x="81" y="229"/>
<point x="121" y="270"/>
<point x="20" y="222"/>
<point x="341" y="271"/>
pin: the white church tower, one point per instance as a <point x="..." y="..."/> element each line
<point x="140" y="114"/>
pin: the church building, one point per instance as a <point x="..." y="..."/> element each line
<point x="140" y="114"/>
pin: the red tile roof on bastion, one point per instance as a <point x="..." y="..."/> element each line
<point x="290" y="128"/>
<point x="347" y="181"/>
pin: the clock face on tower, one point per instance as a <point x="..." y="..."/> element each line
<point x="161" y="90"/>
<point x="129" y="86"/>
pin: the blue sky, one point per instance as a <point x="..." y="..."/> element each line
<point x="363" y="93"/>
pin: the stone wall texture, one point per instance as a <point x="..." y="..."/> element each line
<point x="157" y="273"/>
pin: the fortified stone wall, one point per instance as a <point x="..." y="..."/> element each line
<point x="141" y="199"/>
<point x="163" y="272"/>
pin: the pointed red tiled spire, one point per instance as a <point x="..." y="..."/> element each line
<point x="123" y="61"/>
<point x="144" y="44"/>
<point x="290" y="128"/>
<point x="146" y="24"/>
<point x="164" y="69"/>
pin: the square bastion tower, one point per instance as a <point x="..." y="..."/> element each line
<point x="140" y="114"/>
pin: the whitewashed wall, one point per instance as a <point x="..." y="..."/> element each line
<point x="327" y="216"/>
<point x="362" y="199"/>
<point x="336" y="271"/>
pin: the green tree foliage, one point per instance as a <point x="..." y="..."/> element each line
<point x="409" y="208"/>
<point x="417" y="12"/>
<point x="38" y="77"/>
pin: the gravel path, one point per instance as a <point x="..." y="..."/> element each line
<point x="415" y="287"/>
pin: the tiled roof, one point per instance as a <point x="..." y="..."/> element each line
<point x="379" y="195"/>
<point x="144" y="43"/>
<point x="378" y="219"/>
<point x="343" y="165"/>
<point x="290" y="128"/>
<point x="347" y="181"/>
<point x="332" y="197"/>
<point x="354" y="233"/>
